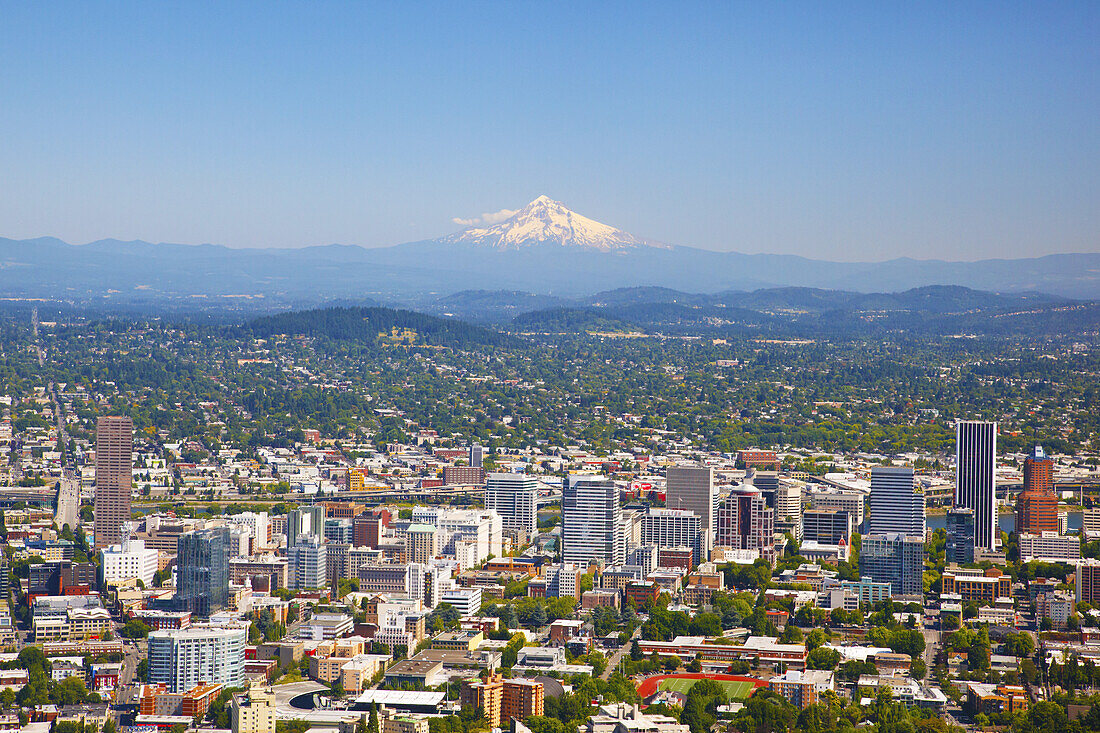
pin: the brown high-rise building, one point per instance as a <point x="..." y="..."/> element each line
<point x="1037" y="506"/>
<point x="503" y="700"/>
<point x="114" y="447"/>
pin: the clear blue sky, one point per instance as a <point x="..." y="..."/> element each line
<point x="851" y="131"/>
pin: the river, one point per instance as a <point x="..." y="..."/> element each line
<point x="1006" y="522"/>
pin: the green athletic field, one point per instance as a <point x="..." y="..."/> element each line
<point x="734" y="690"/>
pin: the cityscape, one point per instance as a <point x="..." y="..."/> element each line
<point x="565" y="367"/>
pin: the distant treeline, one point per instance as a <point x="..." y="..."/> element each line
<point x="365" y="325"/>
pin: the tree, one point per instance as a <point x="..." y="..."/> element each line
<point x="372" y="724"/>
<point x="822" y="658"/>
<point x="918" y="670"/>
<point x="538" y="617"/>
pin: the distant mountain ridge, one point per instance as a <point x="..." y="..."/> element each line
<point x="544" y="249"/>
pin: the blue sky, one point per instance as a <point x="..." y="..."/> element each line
<point x="848" y="131"/>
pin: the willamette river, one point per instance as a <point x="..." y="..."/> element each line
<point x="1007" y="522"/>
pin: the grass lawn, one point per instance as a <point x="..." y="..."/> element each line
<point x="734" y="690"/>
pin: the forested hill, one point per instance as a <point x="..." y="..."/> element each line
<point x="382" y="325"/>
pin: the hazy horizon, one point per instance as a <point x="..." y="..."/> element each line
<point x="937" y="131"/>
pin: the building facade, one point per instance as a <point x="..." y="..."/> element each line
<point x="960" y="535"/>
<point x="746" y="522"/>
<point x="897" y="503"/>
<point x="184" y="658"/>
<point x="691" y="488"/>
<point x="514" y="496"/>
<point x="592" y="523"/>
<point x="114" y="468"/>
<point x="202" y="571"/>
<point x="896" y="559"/>
<point x="975" y="477"/>
<point x="1037" y="505"/>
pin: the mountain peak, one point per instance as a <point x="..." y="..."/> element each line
<point x="545" y="221"/>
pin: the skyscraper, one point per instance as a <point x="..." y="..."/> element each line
<point x="668" y="528"/>
<point x="305" y="520"/>
<point x="114" y="448"/>
<point x="308" y="563"/>
<point x="592" y="526"/>
<point x="202" y="571"/>
<point x="421" y="543"/>
<point x="897" y="504"/>
<point x="691" y="488"/>
<point x="477" y="455"/>
<point x="180" y="659"/>
<point x="960" y="535"/>
<point x="1037" y="506"/>
<point x="975" y="488"/>
<point x="746" y="522"/>
<point x="894" y="558"/>
<point x="514" y="497"/>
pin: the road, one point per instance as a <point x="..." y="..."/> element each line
<point x="613" y="662"/>
<point x="134" y="652"/>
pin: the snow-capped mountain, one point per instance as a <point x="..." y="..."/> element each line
<point x="545" y="221"/>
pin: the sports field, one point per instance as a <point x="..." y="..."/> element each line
<point x="736" y="687"/>
<point x="735" y="690"/>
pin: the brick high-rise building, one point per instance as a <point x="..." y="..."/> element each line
<point x="1088" y="582"/>
<point x="503" y="700"/>
<point x="1037" y="506"/>
<point x="114" y="448"/>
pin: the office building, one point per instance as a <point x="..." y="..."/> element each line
<point x="183" y="658"/>
<point x="666" y="528"/>
<point x="563" y="580"/>
<point x="307" y="563"/>
<point x="463" y="475"/>
<point x="767" y="482"/>
<point x="746" y="522"/>
<point x="253" y="711"/>
<point x="202" y="571"/>
<point x="420" y="543"/>
<point x="960" y="535"/>
<point x="514" y="496"/>
<point x="1049" y="547"/>
<point x="255" y="525"/>
<point x="975" y="474"/>
<point x="1037" y="505"/>
<point x="691" y="488"/>
<point x="896" y="559"/>
<point x="384" y="578"/>
<point x="828" y="497"/>
<point x="1088" y="582"/>
<point x="305" y="520"/>
<point x="788" y="501"/>
<point x="975" y="584"/>
<point x="897" y="503"/>
<point x="128" y="560"/>
<point x="114" y="449"/>
<point x="339" y="530"/>
<point x="827" y="526"/>
<point x="477" y="456"/>
<point x="467" y="535"/>
<point x="592" y="522"/>
<point x="467" y="601"/>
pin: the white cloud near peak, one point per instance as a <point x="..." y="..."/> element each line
<point x="492" y="217"/>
